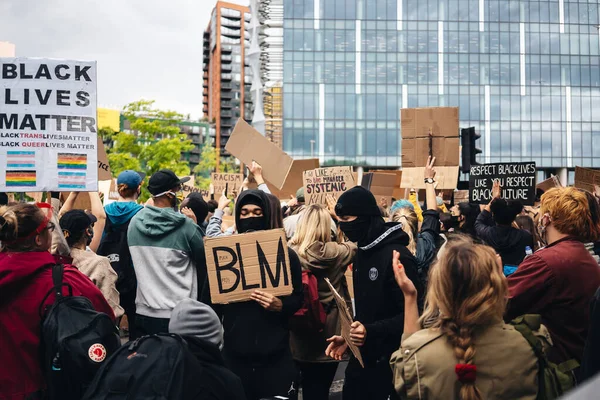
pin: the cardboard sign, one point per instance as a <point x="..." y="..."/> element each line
<point x="383" y="185"/>
<point x="414" y="178"/>
<point x="82" y="202"/>
<point x="417" y="124"/>
<point x="189" y="187"/>
<point x="240" y="264"/>
<point x="231" y="182"/>
<point x="104" y="173"/>
<point x="461" y="196"/>
<point x="247" y="144"/>
<point x="345" y="321"/>
<point x="320" y="182"/>
<point x="550" y="183"/>
<point x="48" y="132"/>
<point x="586" y="178"/>
<point x="516" y="179"/>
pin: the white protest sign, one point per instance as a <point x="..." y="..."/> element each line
<point x="48" y="130"/>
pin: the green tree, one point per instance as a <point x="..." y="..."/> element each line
<point x="155" y="142"/>
<point x="208" y="164"/>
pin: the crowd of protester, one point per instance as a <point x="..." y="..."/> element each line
<point x="450" y="301"/>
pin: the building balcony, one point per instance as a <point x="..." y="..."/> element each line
<point x="226" y="59"/>
<point x="226" y="114"/>
<point x="248" y="98"/>
<point x="228" y="123"/>
<point x="227" y="95"/>
<point x="226" y="77"/>
<point x="205" y="83"/>
<point x="226" y="49"/>
<point x="226" y="86"/>
<point x="231" y="23"/>
<point x="231" y="14"/>
<point x="226" y="68"/>
<point x="226" y="105"/>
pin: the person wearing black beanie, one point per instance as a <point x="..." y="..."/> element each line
<point x="256" y="333"/>
<point x="379" y="302"/>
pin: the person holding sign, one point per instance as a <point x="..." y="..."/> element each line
<point x="256" y="332"/>
<point x="495" y="227"/>
<point x="463" y="355"/>
<point x="559" y="281"/>
<point x="378" y="299"/>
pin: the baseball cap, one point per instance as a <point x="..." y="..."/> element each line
<point x="300" y="195"/>
<point x="76" y="221"/>
<point x="164" y="180"/>
<point x="130" y="178"/>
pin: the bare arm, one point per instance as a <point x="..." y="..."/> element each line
<point x="69" y="203"/>
<point x="430" y="187"/>
<point x="411" y="310"/>
<point x="98" y="212"/>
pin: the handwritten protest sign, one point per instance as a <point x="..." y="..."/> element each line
<point x="586" y="178"/>
<point x="516" y="179"/>
<point x="189" y="187"/>
<point x="231" y="182"/>
<point x="238" y="265"/>
<point x="345" y="321"/>
<point x="48" y="132"/>
<point x="320" y="182"/>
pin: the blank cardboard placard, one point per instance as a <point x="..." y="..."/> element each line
<point x="419" y="122"/>
<point x="238" y="265"/>
<point x="231" y="182"/>
<point x="550" y="183"/>
<point x="461" y="196"/>
<point x="320" y="182"/>
<point x="383" y="184"/>
<point x="345" y="320"/>
<point x="414" y="178"/>
<point x="247" y="144"/>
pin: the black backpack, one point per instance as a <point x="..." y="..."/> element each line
<point x="152" y="367"/>
<point x="114" y="246"/>
<point x="76" y="340"/>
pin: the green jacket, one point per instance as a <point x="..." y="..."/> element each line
<point x="167" y="252"/>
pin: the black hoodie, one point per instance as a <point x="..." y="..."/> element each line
<point x="216" y="380"/>
<point x="509" y="242"/>
<point x="252" y="333"/>
<point x="379" y="301"/>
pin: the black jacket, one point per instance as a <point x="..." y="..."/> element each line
<point x="378" y="299"/>
<point x="509" y="242"/>
<point x="217" y="382"/>
<point x="427" y="243"/>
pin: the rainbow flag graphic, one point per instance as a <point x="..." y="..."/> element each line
<point x="20" y="159"/>
<point x="20" y="178"/>
<point x="71" y="180"/>
<point x="72" y="161"/>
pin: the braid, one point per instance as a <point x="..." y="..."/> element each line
<point x="464" y="351"/>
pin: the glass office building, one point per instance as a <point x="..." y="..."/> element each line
<point x="525" y="74"/>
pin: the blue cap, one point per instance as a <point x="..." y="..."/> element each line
<point x="130" y="178"/>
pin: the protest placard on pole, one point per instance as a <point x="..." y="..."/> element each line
<point x="48" y="132"/>
<point x="550" y="183"/>
<point x="516" y="179"/>
<point x="238" y="265"/>
<point x="320" y="182"/>
<point x="383" y="184"/>
<point x="345" y="320"/>
<point x="231" y="182"/>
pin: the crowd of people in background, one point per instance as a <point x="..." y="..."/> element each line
<point x="450" y="301"/>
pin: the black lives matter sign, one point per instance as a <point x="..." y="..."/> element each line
<point x="516" y="179"/>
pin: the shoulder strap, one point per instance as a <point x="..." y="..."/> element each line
<point x="57" y="279"/>
<point x="58" y="283"/>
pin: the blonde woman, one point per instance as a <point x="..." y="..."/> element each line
<point x="325" y="258"/>
<point x="468" y="353"/>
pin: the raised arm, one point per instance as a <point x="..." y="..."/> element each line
<point x="98" y="212"/>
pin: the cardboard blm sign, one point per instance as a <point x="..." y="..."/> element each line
<point x="238" y="265"/>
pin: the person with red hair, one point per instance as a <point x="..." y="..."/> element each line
<point x="559" y="281"/>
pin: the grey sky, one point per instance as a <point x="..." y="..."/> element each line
<point x="148" y="49"/>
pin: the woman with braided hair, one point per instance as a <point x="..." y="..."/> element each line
<point x="467" y="353"/>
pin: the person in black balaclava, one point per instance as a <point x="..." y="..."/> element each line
<point x="256" y="334"/>
<point x="379" y="303"/>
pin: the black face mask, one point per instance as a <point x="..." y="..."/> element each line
<point x="252" y="224"/>
<point x="356" y="230"/>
